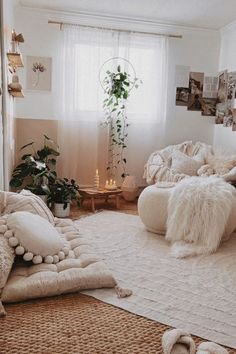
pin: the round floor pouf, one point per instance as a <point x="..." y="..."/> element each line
<point x="152" y="206"/>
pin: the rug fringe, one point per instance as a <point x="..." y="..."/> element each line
<point x="121" y="292"/>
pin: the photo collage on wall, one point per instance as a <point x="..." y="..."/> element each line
<point x="212" y="95"/>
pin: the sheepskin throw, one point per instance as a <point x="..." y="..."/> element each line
<point x="198" y="211"/>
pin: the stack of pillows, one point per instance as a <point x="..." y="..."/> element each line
<point x="27" y="230"/>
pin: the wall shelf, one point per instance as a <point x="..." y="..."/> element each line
<point x="16" y="93"/>
<point x="15" y="60"/>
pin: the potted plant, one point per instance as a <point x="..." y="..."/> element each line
<point x="62" y="192"/>
<point x="36" y="172"/>
<point x="117" y="86"/>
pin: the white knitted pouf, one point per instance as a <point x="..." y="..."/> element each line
<point x="152" y="206"/>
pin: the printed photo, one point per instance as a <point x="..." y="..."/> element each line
<point x="234" y="121"/>
<point x="208" y="107"/>
<point x="195" y="91"/>
<point x="38" y="73"/>
<point x="182" y="94"/>
<point x="222" y="87"/>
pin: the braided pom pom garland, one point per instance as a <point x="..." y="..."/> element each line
<point x="29" y="256"/>
<point x="19" y="250"/>
<point x="13" y="241"/>
<point x="37" y="259"/>
<point x="48" y="259"/>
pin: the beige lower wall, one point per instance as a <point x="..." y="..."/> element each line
<point x="27" y="130"/>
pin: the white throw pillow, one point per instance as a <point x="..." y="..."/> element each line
<point x="182" y="163"/>
<point x="27" y="201"/>
<point x="35" y="238"/>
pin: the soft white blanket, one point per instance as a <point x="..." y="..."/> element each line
<point x="198" y="210"/>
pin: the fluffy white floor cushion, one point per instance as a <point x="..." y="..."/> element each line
<point x="80" y="270"/>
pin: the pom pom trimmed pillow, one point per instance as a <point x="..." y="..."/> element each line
<point x="34" y="238"/>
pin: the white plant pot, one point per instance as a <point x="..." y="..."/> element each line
<point x="59" y="210"/>
<point x="129" y="188"/>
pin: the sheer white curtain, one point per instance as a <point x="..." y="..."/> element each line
<point x="83" y="142"/>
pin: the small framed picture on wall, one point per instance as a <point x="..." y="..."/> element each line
<point x="38" y="73"/>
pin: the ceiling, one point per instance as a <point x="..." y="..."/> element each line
<point x="212" y="14"/>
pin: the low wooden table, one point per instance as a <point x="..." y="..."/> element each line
<point x="94" y="194"/>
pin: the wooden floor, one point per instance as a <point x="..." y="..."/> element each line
<point x="125" y="207"/>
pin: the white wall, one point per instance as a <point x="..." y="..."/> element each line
<point x="225" y="138"/>
<point x="198" y="49"/>
<point x="40" y="40"/>
<point x="8" y="107"/>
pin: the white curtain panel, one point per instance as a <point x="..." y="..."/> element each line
<point x="79" y="97"/>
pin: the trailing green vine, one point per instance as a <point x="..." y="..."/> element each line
<point x="117" y="86"/>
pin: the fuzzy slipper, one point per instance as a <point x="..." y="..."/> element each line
<point x="211" y="348"/>
<point x="177" y="341"/>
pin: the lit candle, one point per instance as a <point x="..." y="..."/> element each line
<point x="96" y="180"/>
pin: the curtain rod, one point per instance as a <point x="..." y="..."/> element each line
<point x="114" y="29"/>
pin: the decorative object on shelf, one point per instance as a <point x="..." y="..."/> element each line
<point x="129" y="188"/>
<point x="36" y="172"/>
<point x="14" y="56"/>
<point x="38" y="73"/>
<point x="62" y="192"/>
<point x="15" y="88"/>
<point x="96" y="180"/>
<point x="110" y="185"/>
<point x="117" y="85"/>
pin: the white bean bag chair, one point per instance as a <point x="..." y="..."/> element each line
<point x="153" y="204"/>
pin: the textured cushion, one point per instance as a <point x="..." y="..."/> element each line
<point x="152" y="206"/>
<point x="6" y="259"/>
<point x="34" y="237"/>
<point x="81" y="269"/>
<point x="27" y="201"/>
<point x="182" y="163"/>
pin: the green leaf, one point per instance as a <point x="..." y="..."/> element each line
<point x="16" y="182"/>
<point x="25" y="156"/>
<point x="118" y="68"/>
<point x="29" y="144"/>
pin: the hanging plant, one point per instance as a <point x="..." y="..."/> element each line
<point x="117" y="87"/>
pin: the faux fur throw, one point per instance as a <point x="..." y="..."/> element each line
<point x="198" y="210"/>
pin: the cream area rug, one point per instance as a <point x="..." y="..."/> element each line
<point x="197" y="294"/>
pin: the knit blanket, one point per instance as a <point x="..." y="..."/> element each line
<point x="158" y="167"/>
<point x="198" y="211"/>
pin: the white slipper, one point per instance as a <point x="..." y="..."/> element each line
<point x="177" y="341"/>
<point x="211" y="348"/>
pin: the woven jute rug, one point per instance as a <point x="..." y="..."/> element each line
<point x="77" y="324"/>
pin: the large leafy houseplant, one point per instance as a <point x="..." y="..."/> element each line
<point x="36" y="171"/>
<point x="117" y="86"/>
<point x="63" y="191"/>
